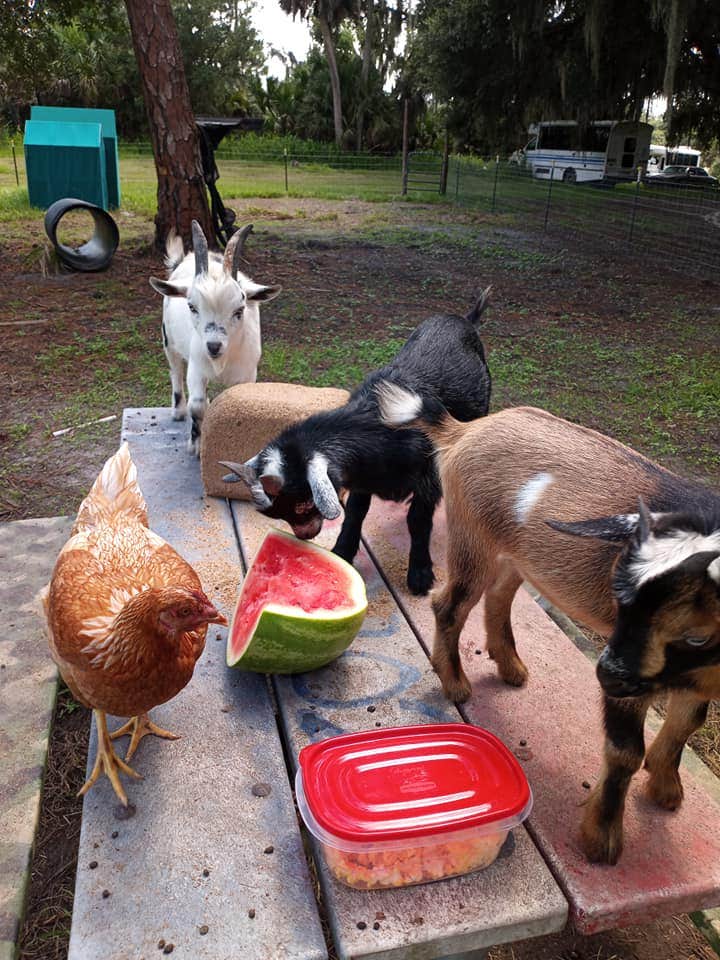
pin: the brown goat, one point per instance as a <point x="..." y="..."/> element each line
<point x="521" y="490"/>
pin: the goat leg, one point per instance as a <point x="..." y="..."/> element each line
<point x="197" y="388"/>
<point x="685" y="714"/>
<point x="420" y="576"/>
<point x="498" y="628"/>
<point x="602" y="826"/>
<point x="348" y="541"/>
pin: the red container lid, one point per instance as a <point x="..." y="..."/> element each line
<point x="419" y="781"/>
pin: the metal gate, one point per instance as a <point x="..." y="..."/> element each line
<point x="424" y="172"/>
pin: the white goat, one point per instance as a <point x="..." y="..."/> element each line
<point x="211" y="322"/>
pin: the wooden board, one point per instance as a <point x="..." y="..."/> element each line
<point x="193" y="855"/>
<point x="671" y="862"/>
<point x="385" y="679"/>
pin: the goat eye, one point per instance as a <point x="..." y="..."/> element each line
<point x="192" y="308"/>
<point x="696" y="641"/>
<point x="239" y="313"/>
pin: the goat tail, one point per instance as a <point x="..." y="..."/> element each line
<point x="174" y="250"/>
<point x="477" y="311"/>
<point x="115" y="491"/>
<point x="400" y="407"/>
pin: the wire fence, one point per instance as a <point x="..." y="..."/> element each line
<point x="679" y="226"/>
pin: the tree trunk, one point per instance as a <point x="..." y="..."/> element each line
<point x="175" y="141"/>
<point x="334" y="78"/>
<point x="365" y="71"/>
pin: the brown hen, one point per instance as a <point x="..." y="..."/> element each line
<point x="126" y="615"/>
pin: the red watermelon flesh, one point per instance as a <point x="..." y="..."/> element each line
<point x="299" y="603"/>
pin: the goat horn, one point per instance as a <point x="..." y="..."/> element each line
<point x="200" y="249"/>
<point x="247" y="472"/>
<point x="240" y="471"/>
<point x="644" y="521"/>
<point x="323" y="491"/>
<point x="235" y="249"/>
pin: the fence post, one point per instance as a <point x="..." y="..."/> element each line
<point x="445" y="164"/>
<point x="285" y="155"/>
<point x="17" y="178"/>
<point x="549" y="194"/>
<point x="405" y="148"/>
<point x="634" y="206"/>
<point x="497" y="168"/>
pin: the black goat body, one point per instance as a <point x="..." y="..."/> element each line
<point x="297" y="476"/>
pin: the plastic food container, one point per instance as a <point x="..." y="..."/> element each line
<point x="409" y="805"/>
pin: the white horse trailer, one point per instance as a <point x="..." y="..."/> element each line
<point x="604" y="150"/>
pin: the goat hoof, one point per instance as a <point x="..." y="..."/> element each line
<point x="179" y="415"/>
<point x="457" y="690"/>
<point x="666" y="792"/>
<point x="193" y="447"/>
<point x="514" y="674"/>
<point x="601" y="842"/>
<point x="420" y="580"/>
<point x="601" y="846"/>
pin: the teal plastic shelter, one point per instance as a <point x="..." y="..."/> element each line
<point x="65" y="160"/>
<point x="106" y="119"/>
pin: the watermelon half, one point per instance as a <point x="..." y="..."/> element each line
<point x="300" y="607"/>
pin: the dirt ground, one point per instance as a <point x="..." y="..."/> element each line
<point x="564" y="331"/>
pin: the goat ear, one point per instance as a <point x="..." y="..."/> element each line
<point x="255" y="291"/>
<point x="167" y="289"/>
<point x="700" y="564"/>
<point x="322" y="489"/>
<point x="271" y="484"/>
<point x="616" y="529"/>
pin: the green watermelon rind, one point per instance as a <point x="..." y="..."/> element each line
<point x="287" y="640"/>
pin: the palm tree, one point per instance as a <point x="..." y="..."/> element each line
<point x="328" y="14"/>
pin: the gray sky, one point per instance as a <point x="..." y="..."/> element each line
<point x="279" y="30"/>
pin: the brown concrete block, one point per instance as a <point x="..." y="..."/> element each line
<point x="242" y="419"/>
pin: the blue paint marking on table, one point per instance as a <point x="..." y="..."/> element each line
<point x="303" y="683"/>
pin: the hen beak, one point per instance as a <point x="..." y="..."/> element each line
<point x="211" y="615"/>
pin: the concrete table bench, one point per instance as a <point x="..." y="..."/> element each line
<point x="193" y="858"/>
<point x="671" y="862"/>
<point x="28" y="681"/>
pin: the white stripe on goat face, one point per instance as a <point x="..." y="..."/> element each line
<point x="658" y="555"/>
<point x="220" y="304"/>
<point x="273" y="464"/>
<point x="529" y="494"/>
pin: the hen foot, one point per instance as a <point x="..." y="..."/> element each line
<point x="139" y="727"/>
<point x="108" y="762"/>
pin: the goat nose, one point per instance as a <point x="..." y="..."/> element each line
<point x="214" y="347"/>
<point x="615" y="679"/>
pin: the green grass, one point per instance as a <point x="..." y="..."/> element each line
<point x="334" y="364"/>
<point x="645" y="396"/>
<point x="113" y="372"/>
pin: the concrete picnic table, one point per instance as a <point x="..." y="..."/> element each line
<point x="212" y="859"/>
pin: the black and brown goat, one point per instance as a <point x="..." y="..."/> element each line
<point x="532" y="497"/>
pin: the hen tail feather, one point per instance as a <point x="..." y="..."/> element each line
<point x="115" y="490"/>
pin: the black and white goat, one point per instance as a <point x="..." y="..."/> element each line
<point x="211" y="321"/>
<point x="532" y="497"/>
<point x="298" y="475"/>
